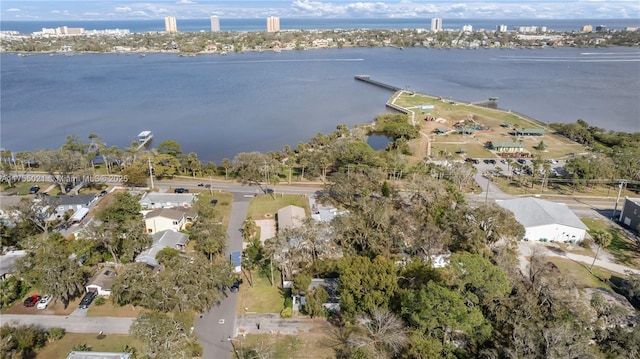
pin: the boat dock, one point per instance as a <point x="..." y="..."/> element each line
<point x="143" y="138"/>
<point x="367" y="78"/>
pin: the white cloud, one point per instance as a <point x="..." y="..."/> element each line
<point x="13" y="9"/>
<point x="123" y="9"/>
<point x="91" y="13"/>
<point x="186" y="2"/>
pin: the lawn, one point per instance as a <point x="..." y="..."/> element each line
<point x="490" y="119"/>
<point x="580" y="271"/>
<point x="266" y="205"/>
<point x="108" y="309"/>
<point x="262" y="297"/>
<point x="305" y="345"/>
<point x="225" y="199"/>
<point x="111" y="342"/>
<point x="625" y="250"/>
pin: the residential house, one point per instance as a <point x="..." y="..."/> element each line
<point x="6" y="211"/>
<point x="630" y="214"/>
<point x="546" y="221"/>
<point x="162" y="240"/>
<point x="72" y="203"/>
<point x="101" y="281"/>
<point x="7" y="261"/>
<point x="152" y="200"/>
<point x="163" y="219"/>
<point x="290" y="217"/>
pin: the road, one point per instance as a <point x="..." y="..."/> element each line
<point x="215" y="326"/>
<point x="73" y="324"/>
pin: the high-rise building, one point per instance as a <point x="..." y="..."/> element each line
<point x="273" y="24"/>
<point x="467" y="28"/>
<point x="436" y="24"/>
<point x="587" y="28"/>
<point x="170" y="24"/>
<point x="215" y="24"/>
<point x="501" y="28"/>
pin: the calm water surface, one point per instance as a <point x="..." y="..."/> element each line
<point x="218" y="106"/>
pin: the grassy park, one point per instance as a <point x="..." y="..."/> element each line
<point x="492" y="121"/>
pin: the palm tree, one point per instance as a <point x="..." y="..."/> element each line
<point x="602" y="239"/>
<point x="226" y="164"/>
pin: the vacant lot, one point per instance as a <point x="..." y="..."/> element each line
<point x="625" y="250"/>
<point x="262" y="297"/>
<point x="314" y="344"/>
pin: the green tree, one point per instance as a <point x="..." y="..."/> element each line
<point x="366" y="285"/>
<point x="21" y="341"/>
<point x="226" y="164"/>
<point x="163" y="335"/>
<point x="603" y="239"/>
<point x="50" y="269"/>
<point x="315" y="300"/>
<point x="170" y="147"/>
<point x="9" y="291"/>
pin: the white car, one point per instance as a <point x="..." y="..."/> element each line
<point x="42" y="304"/>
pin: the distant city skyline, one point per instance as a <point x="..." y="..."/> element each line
<point x="202" y="9"/>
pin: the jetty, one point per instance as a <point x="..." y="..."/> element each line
<point x="144" y="137"/>
<point x="367" y="79"/>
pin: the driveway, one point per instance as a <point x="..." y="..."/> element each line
<point x="73" y="324"/>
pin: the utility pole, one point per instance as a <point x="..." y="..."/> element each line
<point x="615" y="209"/>
<point x="150" y="172"/>
<point x="486" y="194"/>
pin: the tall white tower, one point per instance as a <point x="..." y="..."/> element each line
<point x="436" y="24"/>
<point x="170" y="24"/>
<point x="215" y="24"/>
<point x="273" y="24"/>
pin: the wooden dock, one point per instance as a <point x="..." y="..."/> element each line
<point x="367" y="79"/>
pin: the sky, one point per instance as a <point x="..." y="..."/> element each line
<point x="199" y="9"/>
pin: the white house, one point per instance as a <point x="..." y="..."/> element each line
<point x="153" y="200"/>
<point x="72" y="203"/>
<point x="162" y="240"/>
<point x="101" y="281"/>
<point x="546" y="221"/>
<point x="163" y="219"/>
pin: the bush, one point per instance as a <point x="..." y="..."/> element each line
<point x="100" y="300"/>
<point x="288" y="302"/>
<point x="55" y="333"/>
<point x="286" y="313"/>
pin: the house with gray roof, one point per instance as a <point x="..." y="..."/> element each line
<point x="7" y="261"/>
<point x="73" y="203"/>
<point x="546" y="221"/>
<point x="152" y="200"/>
<point x="101" y="281"/>
<point x="290" y="217"/>
<point x="162" y="240"/>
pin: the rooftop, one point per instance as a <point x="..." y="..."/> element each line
<point x="533" y="212"/>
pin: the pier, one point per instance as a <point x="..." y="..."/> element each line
<point x="367" y="78"/>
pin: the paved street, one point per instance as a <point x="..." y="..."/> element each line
<point x="73" y="324"/>
<point x="216" y="325"/>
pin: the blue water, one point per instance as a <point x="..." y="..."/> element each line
<point x="219" y="106"/>
<point x="258" y="24"/>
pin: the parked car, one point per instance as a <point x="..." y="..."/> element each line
<point x="472" y="160"/>
<point x="214" y="202"/>
<point x="181" y="190"/>
<point x="44" y="302"/>
<point x="493" y="162"/>
<point x="522" y="161"/>
<point x="87" y="300"/>
<point x="34" y="189"/>
<point x="68" y="187"/>
<point x="31" y="301"/>
<point x="236" y="286"/>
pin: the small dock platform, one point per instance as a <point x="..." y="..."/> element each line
<point x="367" y="79"/>
<point x="144" y="138"/>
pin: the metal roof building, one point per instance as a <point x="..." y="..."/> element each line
<point x="546" y="221"/>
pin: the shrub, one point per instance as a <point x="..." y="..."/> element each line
<point x="100" y="300"/>
<point x="286" y="313"/>
<point x="288" y="302"/>
<point x="55" y="333"/>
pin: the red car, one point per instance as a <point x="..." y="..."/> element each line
<point x="31" y="301"/>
